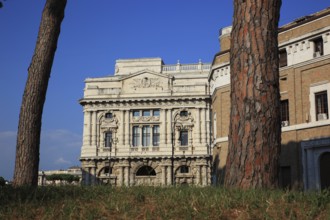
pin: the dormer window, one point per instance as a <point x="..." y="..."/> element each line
<point x="318" y="47"/>
<point x="108" y="115"/>
<point x="283" y="58"/>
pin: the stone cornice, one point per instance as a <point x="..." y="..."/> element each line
<point x="85" y="101"/>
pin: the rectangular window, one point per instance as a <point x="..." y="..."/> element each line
<point x="283" y="58"/>
<point x="136" y="113"/>
<point x="146" y="135"/>
<point x="155" y="112"/>
<point x="136" y="136"/>
<point x="146" y="113"/>
<point x="321" y="102"/>
<point x="285" y="112"/>
<point x="155" y="135"/>
<point x="184" y="138"/>
<point x="318" y="47"/>
<point x="108" y="139"/>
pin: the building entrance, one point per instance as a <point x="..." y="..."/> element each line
<point x="324" y="170"/>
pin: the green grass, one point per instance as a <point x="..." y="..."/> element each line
<point x="104" y="202"/>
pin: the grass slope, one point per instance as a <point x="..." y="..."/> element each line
<point x="104" y="202"/>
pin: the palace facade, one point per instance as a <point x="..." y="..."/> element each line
<point x="304" y="50"/>
<point x="156" y="124"/>
<point x="148" y="124"/>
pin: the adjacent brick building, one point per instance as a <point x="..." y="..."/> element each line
<point x="304" y="49"/>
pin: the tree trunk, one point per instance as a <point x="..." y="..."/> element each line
<point x="29" y="127"/>
<point x="255" y="130"/>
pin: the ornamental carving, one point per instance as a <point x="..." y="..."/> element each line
<point x="146" y="119"/>
<point x="109" y="123"/>
<point x="146" y="82"/>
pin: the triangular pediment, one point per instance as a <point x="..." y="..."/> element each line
<point x="146" y="71"/>
<point x="147" y="82"/>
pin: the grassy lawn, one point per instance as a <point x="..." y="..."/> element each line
<point x="104" y="202"/>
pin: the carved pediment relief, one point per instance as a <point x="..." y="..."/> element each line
<point x="146" y="82"/>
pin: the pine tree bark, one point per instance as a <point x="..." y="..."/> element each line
<point x="255" y="130"/>
<point x="29" y="127"/>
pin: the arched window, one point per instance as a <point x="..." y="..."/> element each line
<point x="184" y="113"/>
<point x="146" y="171"/>
<point x="108" y="115"/>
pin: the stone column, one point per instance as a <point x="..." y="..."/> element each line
<point x="169" y="175"/>
<point x="126" y="175"/>
<point x="127" y="128"/>
<point x="207" y="140"/>
<point x="122" y="124"/>
<point x="86" y="128"/>
<point x="131" y="178"/>
<point x="93" y="175"/>
<point x="163" y="176"/>
<point x="169" y="126"/>
<point x="198" y="126"/>
<point x="162" y="128"/>
<point x="203" y="126"/>
<point x="190" y="136"/>
<point x="121" y="176"/>
<point x="198" y="175"/>
<point x="176" y="136"/>
<point x="94" y="125"/>
<point x="88" y="176"/>
<point x="204" y="175"/>
<point x="90" y="127"/>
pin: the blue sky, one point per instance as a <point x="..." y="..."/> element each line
<point x="94" y="34"/>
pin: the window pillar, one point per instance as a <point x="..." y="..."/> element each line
<point x="141" y="135"/>
<point x="151" y="135"/>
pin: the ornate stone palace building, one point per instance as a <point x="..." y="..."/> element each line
<point x="147" y="124"/>
<point x="304" y="47"/>
<point x="157" y="124"/>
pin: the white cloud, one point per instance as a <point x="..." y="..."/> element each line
<point x="60" y="146"/>
<point x="61" y="160"/>
<point x="7" y="134"/>
<point x="7" y="155"/>
<point x="59" y="149"/>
